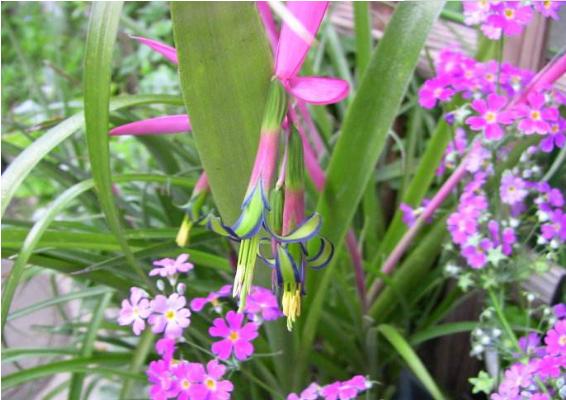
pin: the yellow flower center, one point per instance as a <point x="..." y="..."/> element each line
<point x="547" y="3"/>
<point x="490" y="117"/>
<point x="136" y="311"/>
<point x="509" y="13"/>
<point x="437" y="92"/>
<point x="185" y="384"/>
<point x="562" y="340"/>
<point x="489" y="77"/>
<point x="210" y="383"/>
<point x="234" y="336"/>
<point x="554" y="128"/>
<point x="170" y="315"/>
<point x="535" y="115"/>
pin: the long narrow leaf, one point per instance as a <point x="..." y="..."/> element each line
<point x="102" y="31"/>
<point x="411" y="358"/>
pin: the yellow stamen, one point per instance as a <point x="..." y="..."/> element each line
<point x="490" y="117"/>
<point x="291" y="302"/>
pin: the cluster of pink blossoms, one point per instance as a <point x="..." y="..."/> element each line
<point x="486" y="230"/>
<point x="340" y="390"/>
<point x="540" y="375"/>
<point x="232" y="338"/>
<point x="507" y="18"/>
<point x="183" y="380"/>
<point x="165" y="314"/>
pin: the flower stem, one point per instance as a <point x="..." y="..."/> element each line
<point x="499" y="311"/>
<point x="407" y="239"/>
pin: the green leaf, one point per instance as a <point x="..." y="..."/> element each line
<point x="442" y="330"/>
<point x="39" y="228"/>
<point x="101" y="35"/>
<point x="143" y="348"/>
<point x="411" y="358"/>
<point x="225" y="66"/>
<point x="416" y="190"/>
<point x="483" y="383"/>
<point x="362" y="23"/>
<point x="92" y="365"/>
<point x="364" y="131"/>
<point x="22" y="165"/>
<point x="96" y="291"/>
<point x="411" y="272"/>
<point x="88" y="344"/>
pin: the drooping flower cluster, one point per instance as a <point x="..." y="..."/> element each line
<point x="540" y="372"/>
<point x="501" y="103"/>
<point x="509" y="18"/>
<point x="339" y="390"/>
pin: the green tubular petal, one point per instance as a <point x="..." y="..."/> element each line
<point x="275" y="216"/>
<point x="251" y="217"/>
<point x="320" y="256"/>
<point x="275" y="108"/>
<point x="287" y="269"/>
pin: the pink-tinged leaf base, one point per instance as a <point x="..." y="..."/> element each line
<point x="155" y="126"/>
<point x="265" y="161"/>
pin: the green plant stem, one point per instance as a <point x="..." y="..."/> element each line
<point x="499" y="311"/>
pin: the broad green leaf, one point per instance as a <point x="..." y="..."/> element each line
<point x="225" y="66"/>
<point x="21" y="167"/>
<point x="412" y="359"/>
<point x="365" y="128"/>
<point x="101" y="35"/>
<point x="362" y="24"/>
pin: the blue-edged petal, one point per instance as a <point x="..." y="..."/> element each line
<point x="286" y="265"/>
<point x="215" y="225"/>
<point x="322" y="256"/>
<point x="251" y="218"/>
<point x="308" y="229"/>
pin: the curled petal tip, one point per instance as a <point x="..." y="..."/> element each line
<point x="319" y="90"/>
<point x="165" y="50"/>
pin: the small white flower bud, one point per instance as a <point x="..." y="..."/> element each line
<point x="160" y="285"/>
<point x="181" y="287"/>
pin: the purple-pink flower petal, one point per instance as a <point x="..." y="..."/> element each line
<point x="155" y="126"/>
